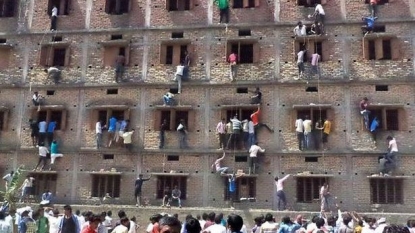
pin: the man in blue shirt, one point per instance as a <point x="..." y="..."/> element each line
<point x="111" y="129"/>
<point x="22" y="227"/>
<point x="287" y="226"/>
<point x="369" y="24"/>
<point x="42" y="131"/>
<point x="232" y="189"/>
<point x="51" y="130"/>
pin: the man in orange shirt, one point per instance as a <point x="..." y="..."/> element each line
<point x="257" y="124"/>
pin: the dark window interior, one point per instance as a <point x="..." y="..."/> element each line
<point x="59" y="56"/>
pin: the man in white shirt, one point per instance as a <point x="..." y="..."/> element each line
<point x="315" y="58"/>
<point x="281" y="199"/>
<point x="388" y="163"/>
<point x="98" y="131"/>
<point x="26" y="188"/>
<point x="54" y="18"/>
<point x="217" y="227"/>
<point x="251" y="133"/>
<point x="178" y="77"/>
<point x="217" y="165"/>
<point x="300" y="30"/>
<point x="269" y="226"/>
<point x="54" y="220"/>
<point x="127" y="140"/>
<point x="43" y="151"/>
<point x="5" y="227"/>
<point x="299" y="129"/>
<point x="307" y="131"/>
<point x="253" y="159"/>
<point x="54" y="73"/>
<point x="122" y="228"/>
<point x="381" y="225"/>
<point x="300" y="62"/>
<point x="8" y="179"/>
<point x="221" y="131"/>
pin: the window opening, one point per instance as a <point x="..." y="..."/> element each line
<point x="246" y="32"/>
<point x="103" y="184"/>
<point x="172" y="158"/>
<point x="177" y="35"/>
<point x="116" y="37"/>
<point x="59" y="57"/>
<point x="241" y="158"/>
<point x="107" y="156"/>
<point x="112" y="91"/>
<point x="382" y="88"/>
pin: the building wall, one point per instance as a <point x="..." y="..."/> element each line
<point x="346" y="77"/>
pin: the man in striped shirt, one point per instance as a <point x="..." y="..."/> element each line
<point x="235" y="136"/>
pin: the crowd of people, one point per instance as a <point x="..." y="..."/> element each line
<point x="49" y="220"/>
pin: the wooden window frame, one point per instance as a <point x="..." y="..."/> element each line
<point x="63" y="8"/>
<point x="324" y="53"/>
<point x="256" y="49"/>
<point x="176" y="57"/>
<point x="106" y="183"/>
<point x="95" y="115"/>
<point x="239" y="111"/>
<point x="47" y="54"/>
<point x="112" y="11"/>
<point x="308" y="188"/>
<point x="380" y="189"/>
<point x="61" y="125"/>
<point x="10" y="13"/>
<point x="190" y="123"/>
<point x="395" y="47"/>
<point x="44" y="181"/>
<point x="182" y="5"/>
<point x="246" y="4"/>
<point x="401" y="117"/>
<point x="4" y="118"/>
<point x="249" y="182"/>
<point x="114" y="50"/>
<point x="328" y="112"/>
<point x="310" y="3"/>
<point x="170" y="181"/>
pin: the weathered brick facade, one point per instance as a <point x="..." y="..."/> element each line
<point x="346" y="77"/>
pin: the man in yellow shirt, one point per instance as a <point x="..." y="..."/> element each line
<point x="326" y="131"/>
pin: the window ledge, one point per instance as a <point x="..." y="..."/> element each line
<point x="311" y="37"/>
<point x="313" y="106"/>
<point x="43" y="172"/>
<point x="50" y="107"/>
<point x="114" y="43"/>
<point x="377" y="176"/>
<point x="314" y="175"/>
<point x="105" y="173"/>
<point x="241" y="106"/>
<point x="57" y="44"/>
<point x="381" y="105"/>
<point x="176" y="41"/>
<point x="379" y="35"/>
<point x="176" y="107"/>
<point x="169" y="174"/>
<point x="6" y="46"/>
<point x="109" y="106"/>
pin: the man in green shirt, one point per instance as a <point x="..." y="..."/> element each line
<point x="224" y="10"/>
<point x="42" y="222"/>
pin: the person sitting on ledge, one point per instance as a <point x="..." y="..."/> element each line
<point x="168" y="99"/>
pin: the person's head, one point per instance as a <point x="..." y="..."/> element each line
<point x="211" y="216"/>
<point x="186" y="52"/>
<point x="55" y="212"/>
<point x="42" y="144"/>
<point x="365" y="99"/>
<point x="269" y="217"/>
<point x="36" y="93"/>
<point x="54" y="142"/>
<point x="235" y="117"/>
<point x="155" y="218"/>
<point x="103" y="215"/>
<point x="169" y="225"/>
<point x="320" y="223"/>
<point x="176" y="215"/>
<point x="276" y="178"/>
<point x="124" y="221"/>
<point x="286" y="220"/>
<point x="235" y="222"/>
<point x="25" y="214"/>
<point x="67" y="210"/>
<point x="175" y="187"/>
<point x="140" y="176"/>
<point x="258" y="220"/>
<point x="389" y="138"/>
<point x="193" y="225"/>
<point x="331" y="221"/>
<point x="94" y="221"/>
<point x="182" y="121"/>
<point x="325" y="184"/>
<point x="300" y="23"/>
<point x="121" y="214"/>
<point x="218" y="219"/>
<point x="223" y="120"/>
<point x="109" y="213"/>
<point x="346" y="220"/>
<point x="164" y="121"/>
<point x="167" y="188"/>
<point x="307" y="117"/>
<point x="133" y="219"/>
<point x="315" y="218"/>
<point x="205" y="216"/>
<point x="11" y="172"/>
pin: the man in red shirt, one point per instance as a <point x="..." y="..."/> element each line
<point x="232" y="61"/>
<point x="257" y="124"/>
<point x="94" y="221"/>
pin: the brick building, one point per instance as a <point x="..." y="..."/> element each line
<point x="153" y="35"/>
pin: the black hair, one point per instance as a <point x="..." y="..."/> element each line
<point x="121" y="214"/>
<point x="211" y="216"/>
<point x="193" y="226"/>
<point x="67" y="207"/>
<point x="205" y="216"/>
<point x="218" y="219"/>
<point x="235" y="222"/>
<point x="286" y="220"/>
<point x="77" y="212"/>
<point x="269" y="217"/>
<point x="109" y="213"/>
<point x="346" y="220"/>
<point x="320" y="222"/>
<point x="171" y="222"/>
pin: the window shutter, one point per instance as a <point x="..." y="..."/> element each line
<point x="127" y="114"/>
<point x="379" y="49"/>
<point x="107" y="6"/>
<point x="162" y="53"/>
<point x="365" y="49"/>
<point x="325" y="51"/>
<point x="173" y="125"/>
<point x="94" y="119"/>
<point x="191" y="120"/>
<point x="167" y="5"/>
<point x="43" y="59"/>
<point x="191" y="4"/>
<point x="50" y="55"/>
<point x="127" y="54"/>
<point x="191" y="51"/>
<point x="257" y="3"/>
<point x="323" y="2"/>
<point x="157" y="120"/>
<point x="402" y="117"/>
<point x="396" y="49"/>
<point x="63" y="119"/>
<point x="5" y="119"/>
<point x="256" y="52"/>
<point x="245" y="3"/>
<point x="176" y="54"/>
<point x="67" y="56"/>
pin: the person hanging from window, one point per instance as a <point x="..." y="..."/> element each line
<point x="217" y="165"/>
<point x="186" y="64"/>
<point x="234" y="138"/>
<point x="324" y="198"/>
<point x="369" y="24"/>
<point x="299" y="129"/>
<point x="315" y="58"/>
<point x="54" y="18"/>
<point x="364" y="112"/>
<point x="119" y="66"/>
<point x="162" y="136"/>
<point x="253" y="157"/>
<point x="281" y="198"/>
<point x="50" y="131"/>
<point x="178" y="76"/>
<point x="307" y="124"/>
<point x="54" y="153"/>
<point x="326" y="131"/>
<point x="319" y="15"/>
<point x="374" y="126"/>
<point x="175" y="195"/>
<point x="232" y="59"/>
<point x="38" y="100"/>
<point x="111" y="130"/>
<point x="182" y="131"/>
<point x="390" y="159"/>
<point x="300" y="62"/>
<point x="316" y="28"/>
<point x="257" y="97"/>
<point x="223" y="6"/>
<point x="373" y="7"/>
<point x="53" y="73"/>
<point x="43" y="151"/>
<point x="168" y="99"/>
<point x="232" y="189"/>
<point x="300" y="29"/>
<point x="34" y="131"/>
<point x="127" y="139"/>
<point x="257" y="125"/>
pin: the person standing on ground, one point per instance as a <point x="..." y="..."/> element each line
<point x="43" y="151"/>
<point x="363" y="111"/>
<point x="111" y="130"/>
<point x="69" y="222"/>
<point x="182" y="131"/>
<point x="169" y="225"/>
<point x="221" y="131"/>
<point x="307" y="124"/>
<point x="119" y="67"/>
<point x="128" y="140"/>
<point x="54" y="18"/>
<point x="269" y="226"/>
<point x="162" y="135"/>
<point x="217" y="227"/>
<point x="299" y="129"/>
<point x="5" y="227"/>
<point x="137" y="190"/>
<point x="178" y="76"/>
<point x="232" y="59"/>
<point x="54" y="153"/>
<point x="281" y="198"/>
<point x="26" y="188"/>
<point x="42" y="223"/>
<point x="223" y="6"/>
<point x="34" y="131"/>
<point x="24" y="219"/>
<point x="253" y="158"/>
<point x="218" y="167"/>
